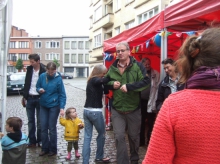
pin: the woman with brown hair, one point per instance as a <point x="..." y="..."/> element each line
<point x="187" y="127"/>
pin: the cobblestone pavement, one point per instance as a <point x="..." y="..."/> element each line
<point x="76" y="98"/>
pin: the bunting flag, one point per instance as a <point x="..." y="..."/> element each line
<point x="115" y="55"/>
<point x="179" y="34"/>
<point x="142" y="47"/>
<point x="168" y="33"/>
<point x="147" y="43"/>
<point x="107" y="55"/>
<point x="137" y="48"/>
<point x="190" y="33"/>
<point x="133" y="50"/>
<point x="162" y="33"/>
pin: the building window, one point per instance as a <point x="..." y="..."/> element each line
<point x="117" y="5"/>
<point x="52" y="44"/>
<point x="73" y="58"/>
<point x="23" y="56"/>
<point x="12" y="57"/>
<point x="23" y="44"/>
<point x="87" y="44"/>
<point x="66" y="58"/>
<point x="37" y="44"/>
<point x="80" y="58"/>
<point x="67" y="45"/>
<point x="52" y="56"/>
<point x="97" y="41"/>
<point x="117" y="30"/>
<point x="86" y="58"/>
<point x="147" y="15"/>
<point x="98" y="14"/>
<point x="12" y="45"/>
<point x="129" y="25"/>
<point x="73" y="45"/>
<point x="80" y="45"/>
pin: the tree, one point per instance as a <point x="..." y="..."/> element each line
<point x="56" y="62"/>
<point x="19" y="64"/>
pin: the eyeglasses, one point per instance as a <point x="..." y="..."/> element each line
<point x="118" y="51"/>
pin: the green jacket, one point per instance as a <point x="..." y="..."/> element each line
<point x="135" y="79"/>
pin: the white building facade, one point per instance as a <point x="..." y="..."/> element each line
<point x="76" y="55"/>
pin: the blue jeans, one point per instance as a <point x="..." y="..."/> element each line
<point x="93" y="118"/>
<point x="49" y="118"/>
<point x="32" y="106"/>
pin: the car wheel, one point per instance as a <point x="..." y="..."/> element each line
<point x="67" y="77"/>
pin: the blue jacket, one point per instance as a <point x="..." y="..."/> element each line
<point x="54" y="94"/>
<point x="8" y="143"/>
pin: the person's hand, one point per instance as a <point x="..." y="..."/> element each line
<point x="41" y="90"/>
<point x="116" y="85"/>
<point x="62" y="112"/>
<point x="1" y="134"/>
<point x="124" y="88"/>
<point x="80" y="125"/>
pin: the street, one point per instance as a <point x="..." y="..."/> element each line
<point x="75" y="90"/>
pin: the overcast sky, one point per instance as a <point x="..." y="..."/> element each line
<point x="52" y="17"/>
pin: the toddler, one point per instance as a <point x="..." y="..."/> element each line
<point x="14" y="143"/>
<point x="72" y="126"/>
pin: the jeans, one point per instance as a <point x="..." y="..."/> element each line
<point x="93" y="118"/>
<point x="49" y="118"/>
<point x="130" y="123"/>
<point x="32" y="106"/>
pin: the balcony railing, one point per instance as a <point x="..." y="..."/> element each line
<point x="104" y="22"/>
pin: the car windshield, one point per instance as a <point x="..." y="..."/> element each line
<point x="15" y="77"/>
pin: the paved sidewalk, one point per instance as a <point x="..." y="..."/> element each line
<point x="76" y="98"/>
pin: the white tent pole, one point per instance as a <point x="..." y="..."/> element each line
<point x="163" y="52"/>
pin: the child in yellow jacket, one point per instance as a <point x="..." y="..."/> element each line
<point x="72" y="126"/>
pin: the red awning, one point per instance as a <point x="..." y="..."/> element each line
<point x="138" y="34"/>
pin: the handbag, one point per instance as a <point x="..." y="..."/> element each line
<point x="23" y="102"/>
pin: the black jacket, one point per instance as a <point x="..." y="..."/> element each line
<point x="28" y="78"/>
<point x="164" y="91"/>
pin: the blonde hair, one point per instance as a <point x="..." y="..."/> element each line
<point x="97" y="71"/>
<point x="67" y="113"/>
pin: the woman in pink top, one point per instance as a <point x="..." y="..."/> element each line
<point x="187" y="129"/>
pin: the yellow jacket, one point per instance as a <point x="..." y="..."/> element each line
<point x="71" y="128"/>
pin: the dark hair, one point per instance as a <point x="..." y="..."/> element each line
<point x="67" y="113"/>
<point x="14" y="122"/>
<point x="197" y="51"/>
<point x="168" y="61"/>
<point x="36" y="57"/>
<point x="145" y="59"/>
<point x="51" y="65"/>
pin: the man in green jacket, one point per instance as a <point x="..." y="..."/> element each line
<point x="127" y="79"/>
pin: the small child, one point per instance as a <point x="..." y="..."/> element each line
<point x="14" y="143"/>
<point x="72" y="126"/>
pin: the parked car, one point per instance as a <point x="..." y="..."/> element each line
<point x="66" y="76"/>
<point x="15" y="83"/>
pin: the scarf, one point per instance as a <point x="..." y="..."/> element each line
<point x="16" y="136"/>
<point x="205" y="78"/>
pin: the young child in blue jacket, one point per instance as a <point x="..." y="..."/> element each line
<point x="14" y="143"/>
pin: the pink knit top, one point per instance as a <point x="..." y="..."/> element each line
<point x="187" y="129"/>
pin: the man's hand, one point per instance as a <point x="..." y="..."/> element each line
<point x="124" y="88"/>
<point x="116" y="85"/>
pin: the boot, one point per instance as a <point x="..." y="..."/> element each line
<point x="77" y="154"/>
<point x="68" y="157"/>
